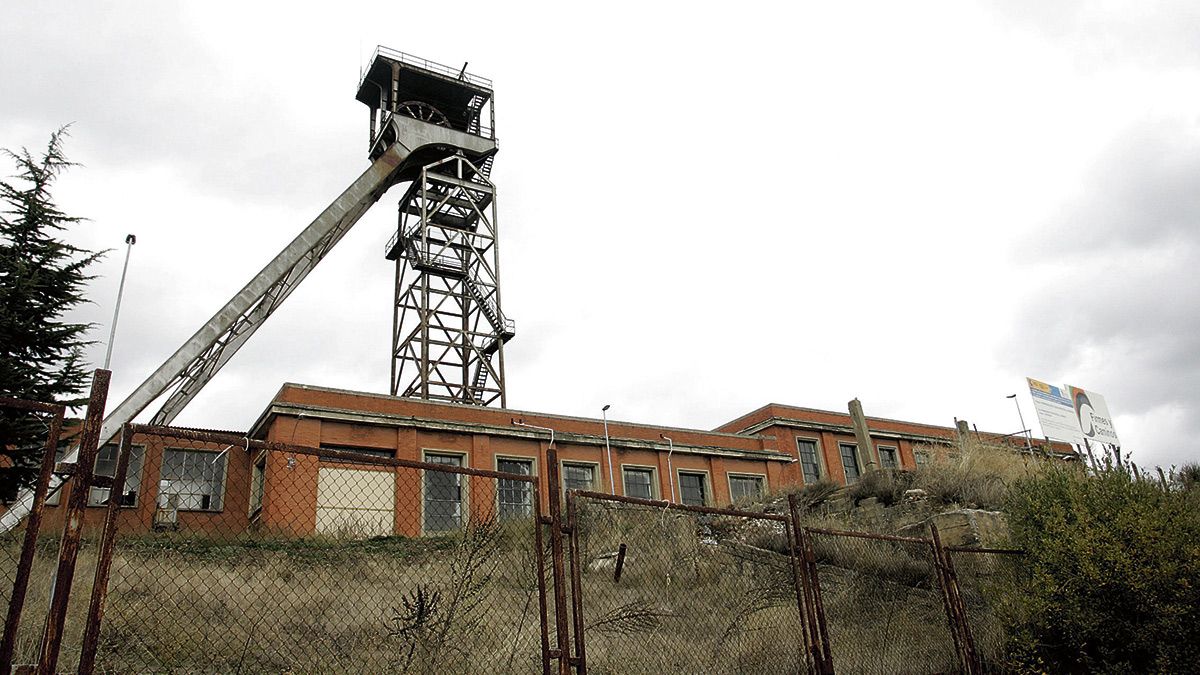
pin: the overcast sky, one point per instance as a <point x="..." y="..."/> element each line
<point x="703" y="208"/>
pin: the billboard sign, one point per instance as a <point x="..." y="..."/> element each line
<point x="1091" y="413"/>
<point x="1056" y="412"/>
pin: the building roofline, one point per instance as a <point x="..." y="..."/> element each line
<point x="767" y="408"/>
<point x="290" y="409"/>
<point x="511" y="411"/>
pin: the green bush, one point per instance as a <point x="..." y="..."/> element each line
<point x="1188" y="476"/>
<point x="1112" y="577"/>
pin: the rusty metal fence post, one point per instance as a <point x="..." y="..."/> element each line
<point x="825" y="662"/>
<point x="563" y="652"/>
<point x="91" y="633"/>
<point x="73" y="529"/>
<point x="16" y="603"/>
<point x="576" y="586"/>
<point x="817" y="658"/>
<point x="955" y="612"/>
<point x="540" y="560"/>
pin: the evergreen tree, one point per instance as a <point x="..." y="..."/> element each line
<point x="41" y="279"/>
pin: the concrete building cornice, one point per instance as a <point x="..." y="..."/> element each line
<point x="847" y="429"/>
<point x="393" y="420"/>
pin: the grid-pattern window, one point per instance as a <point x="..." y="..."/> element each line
<point x="850" y="462"/>
<point x="196" y="478"/>
<point x="921" y="457"/>
<point x="692" y="489"/>
<point x="807" y="451"/>
<point x="743" y="488"/>
<point x="516" y="497"/>
<point x="579" y="476"/>
<point x="639" y="482"/>
<point x="888" y="458"/>
<point x="106" y="465"/>
<point x="443" y="495"/>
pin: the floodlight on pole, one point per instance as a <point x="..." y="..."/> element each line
<point x="130" y="240"/>
<point x="1021" y="417"/>
<point x="612" y="483"/>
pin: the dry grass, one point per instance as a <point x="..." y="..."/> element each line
<point x="723" y="598"/>
<point x="698" y="594"/>
<point x="977" y="477"/>
<point x="200" y="605"/>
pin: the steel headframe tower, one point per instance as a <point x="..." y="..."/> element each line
<point x="427" y="122"/>
<point x="448" y="328"/>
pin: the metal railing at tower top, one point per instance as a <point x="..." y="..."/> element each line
<point x="431" y="66"/>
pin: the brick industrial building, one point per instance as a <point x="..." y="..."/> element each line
<point x="218" y="488"/>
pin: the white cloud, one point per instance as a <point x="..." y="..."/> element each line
<point x="701" y="210"/>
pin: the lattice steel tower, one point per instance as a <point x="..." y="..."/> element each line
<point x="448" y="328"/>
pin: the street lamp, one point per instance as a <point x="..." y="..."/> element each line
<point x="130" y="240"/>
<point x="612" y="484"/>
<point x="1024" y="429"/>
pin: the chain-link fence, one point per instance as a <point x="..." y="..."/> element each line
<point x="884" y="603"/>
<point x="212" y="552"/>
<point x="30" y="434"/>
<point x="321" y="561"/>
<point x="673" y="589"/>
<point x="989" y="583"/>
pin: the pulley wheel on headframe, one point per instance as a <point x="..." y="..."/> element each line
<point x="423" y="111"/>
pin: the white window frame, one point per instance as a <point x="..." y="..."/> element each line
<point x="562" y="469"/>
<point x="654" y="488"/>
<point x="464" y="487"/>
<point x="821" y="468"/>
<point x="858" y="465"/>
<point x="895" y="454"/>
<point x="533" y="472"/>
<point x="762" y="478"/>
<point x="708" y="495"/>
<point x="93" y="500"/>
<point x="212" y="453"/>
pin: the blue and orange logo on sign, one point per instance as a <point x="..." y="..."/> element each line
<point x="1048" y="390"/>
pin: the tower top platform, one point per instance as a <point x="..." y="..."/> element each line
<point x="394" y="78"/>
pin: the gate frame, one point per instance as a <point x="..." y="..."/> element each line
<point x="947" y="581"/>
<point x="81" y="473"/>
<point x="580" y="661"/>
<point x="16" y="601"/>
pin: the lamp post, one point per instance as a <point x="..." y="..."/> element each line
<point x="612" y="483"/>
<point x="1020" y="416"/>
<point x="130" y="240"/>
